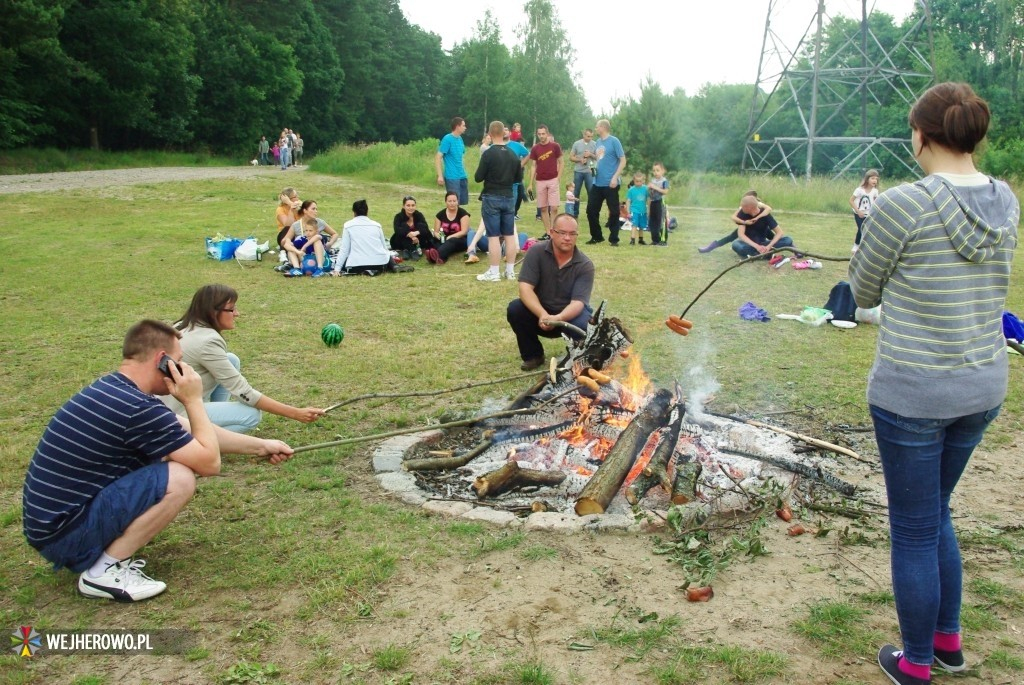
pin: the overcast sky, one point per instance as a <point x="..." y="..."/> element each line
<point x="680" y="43"/>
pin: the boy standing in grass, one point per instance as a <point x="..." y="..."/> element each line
<point x="658" y="189"/>
<point x="636" y="199"/>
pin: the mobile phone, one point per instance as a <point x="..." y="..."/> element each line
<point x="165" y="365"/>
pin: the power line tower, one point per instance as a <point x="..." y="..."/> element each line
<point x="810" y="110"/>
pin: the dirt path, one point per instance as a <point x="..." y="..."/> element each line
<point x="80" y="180"/>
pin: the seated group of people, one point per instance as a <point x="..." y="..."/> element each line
<point x="309" y="245"/>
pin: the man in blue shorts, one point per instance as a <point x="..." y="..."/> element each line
<point x="451" y="171"/>
<point x="115" y="466"/>
<point x="499" y="170"/>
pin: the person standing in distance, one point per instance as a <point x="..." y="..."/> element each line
<point x="448" y="162"/>
<point x="546" y="169"/>
<point x="583" y="155"/>
<point x="499" y="170"/>
<point x="611" y="160"/>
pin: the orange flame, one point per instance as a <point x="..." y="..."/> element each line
<point x="574" y="436"/>
<point x="584" y="472"/>
<point x="636" y="386"/>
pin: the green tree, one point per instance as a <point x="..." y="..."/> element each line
<point x="543" y="77"/>
<point x="131" y="84"/>
<point x="250" y="81"/>
<point x="649" y="128"/>
<point x="482" y="68"/>
<point x="31" y="60"/>
<point x="396" y="74"/>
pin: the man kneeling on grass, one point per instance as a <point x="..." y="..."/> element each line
<point x="115" y="466"/>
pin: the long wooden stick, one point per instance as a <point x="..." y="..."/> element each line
<point x="757" y="258"/>
<point x="427" y="393"/>
<point x="797" y="436"/>
<point x="417" y="429"/>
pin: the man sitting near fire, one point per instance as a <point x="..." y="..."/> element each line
<point x="554" y="286"/>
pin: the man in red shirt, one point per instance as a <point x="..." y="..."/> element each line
<point x="546" y="170"/>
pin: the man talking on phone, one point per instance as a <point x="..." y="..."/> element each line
<point x="115" y="466"/>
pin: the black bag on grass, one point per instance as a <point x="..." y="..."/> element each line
<point x="841" y="303"/>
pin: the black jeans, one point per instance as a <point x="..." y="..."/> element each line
<point x="603" y="195"/>
<point x="525" y="326"/>
<point x="452" y="246"/>
<point x="656" y="222"/>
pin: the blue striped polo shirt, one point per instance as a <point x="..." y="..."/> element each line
<point x="106" y="431"/>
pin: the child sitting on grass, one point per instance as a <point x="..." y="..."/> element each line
<point x="309" y="243"/>
<point x="636" y="203"/>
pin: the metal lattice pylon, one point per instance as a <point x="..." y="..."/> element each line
<point x="808" y="109"/>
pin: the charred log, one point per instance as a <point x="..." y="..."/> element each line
<point x="815" y="473"/>
<point x="656" y="472"/>
<point x="511" y="476"/>
<point x="684" y="486"/>
<point x="444" y="463"/>
<point x="606" y="481"/>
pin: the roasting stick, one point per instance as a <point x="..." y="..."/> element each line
<point x="426" y="393"/>
<point x="678" y="324"/>
<point x="450" y="424"/>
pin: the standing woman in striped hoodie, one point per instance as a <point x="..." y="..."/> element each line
<point x="936" y="254"/>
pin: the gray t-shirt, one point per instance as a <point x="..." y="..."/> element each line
<point x="555" y="287"/>
<point x="578" y="148"/>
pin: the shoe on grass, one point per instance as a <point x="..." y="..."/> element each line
<point x="531" y="364"/>
<point x="489" y="276"/>
<point x="889" y="661"/>
<point x="403" y="269"/>
<point x="472" y="259"/>
<point x="121" y="582"/>
<point x="707" y="248"/>
<point x="952" y="662"/>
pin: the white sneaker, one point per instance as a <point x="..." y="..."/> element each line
<point x="121" y="582"/>
<point x="510" y="276"/>
<point x="489" y="276"/>
<point x="853" y="249"/>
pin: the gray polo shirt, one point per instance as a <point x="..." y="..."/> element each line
<point x="555" y="287"/>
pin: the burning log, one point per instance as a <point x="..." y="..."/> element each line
<point x="511" y="476"/>
<point x="608" y="478"/>
<point x="657" y="469"/>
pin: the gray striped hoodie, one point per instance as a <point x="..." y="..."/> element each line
<point x="937" y="257"/>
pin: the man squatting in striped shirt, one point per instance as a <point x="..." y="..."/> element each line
<point x="115" y="466"/>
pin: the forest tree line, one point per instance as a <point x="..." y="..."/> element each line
<point x="218" y="74"/>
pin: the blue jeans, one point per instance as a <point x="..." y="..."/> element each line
<point x="234" y="416"/>
<point x="286" y="157"/>
<point x="581" y="180"/>
<point x="744" y="250"/>
<point x="459" y="186"/>
<point x="498" y="213"/>
<point x="922" y="460"/>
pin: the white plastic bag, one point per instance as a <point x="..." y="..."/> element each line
<point x="872" y="316"/>
<point x="248" y="251"/>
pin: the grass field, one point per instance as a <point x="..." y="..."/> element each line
<point x="269" y="565"/>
